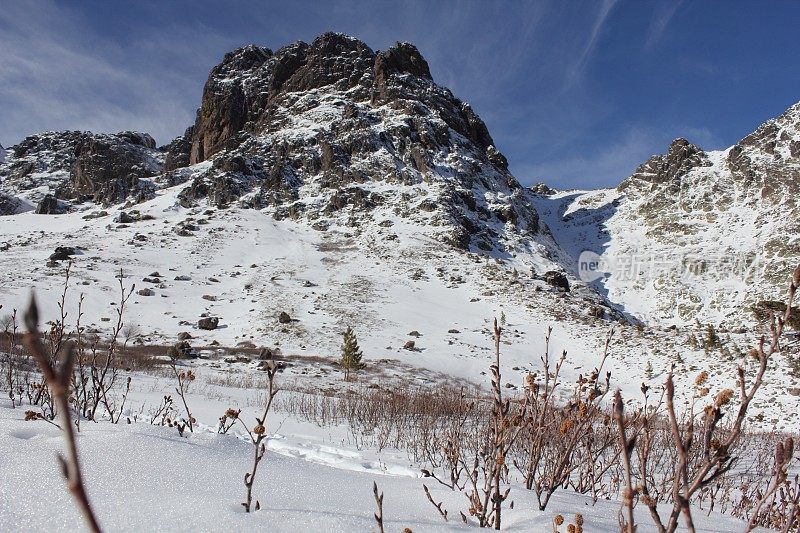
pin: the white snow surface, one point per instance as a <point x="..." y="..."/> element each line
<point x="147" y="478"/>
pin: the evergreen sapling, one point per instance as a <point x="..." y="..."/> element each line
<point x="351" y="354"/>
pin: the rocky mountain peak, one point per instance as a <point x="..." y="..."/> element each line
<point x="334" y="120"/>
<point x="681" y="157"/>
<point x="331" y="132"/>
<point x="403" y="58"/>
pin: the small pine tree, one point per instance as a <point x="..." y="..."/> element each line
<point x="502" y="318"/>
<point x="712" y="339"/>
<point x="351" y="354"/>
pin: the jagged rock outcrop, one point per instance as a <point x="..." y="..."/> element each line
<point x="178" y="152"/>
<point x="79" y="166"/>
<point x="333" y="120"/>
<point x="330" y="132"/>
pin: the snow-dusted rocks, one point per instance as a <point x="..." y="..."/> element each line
<point x="334" y="130"/>
<point x="75" y="166"/>
<point x="695" y="235"/>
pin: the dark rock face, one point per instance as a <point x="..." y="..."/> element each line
<point x="109" y="170"/>
<point x="178" y="151"/>
<point x="557" y="279"/>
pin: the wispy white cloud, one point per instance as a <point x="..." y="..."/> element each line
<point x="608" y="164"/>
<point x="58" y="73"/>
<point x="591" y="42"/>
<point x="659" y="22"/>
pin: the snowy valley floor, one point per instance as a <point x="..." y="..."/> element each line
<point x="147" y="478"/>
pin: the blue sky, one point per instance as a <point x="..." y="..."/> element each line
<point x="575" y="94"/>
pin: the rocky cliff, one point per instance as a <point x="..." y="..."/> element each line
<point x="327" y="131"/>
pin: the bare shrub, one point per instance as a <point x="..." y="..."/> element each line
<point x="58" y="379"/>
<point x="705" y="450"/>
<point x="559" y="440"/>
<point x="257" y="436"/>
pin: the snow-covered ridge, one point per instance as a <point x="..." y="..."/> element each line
<point x="693" y="235"/>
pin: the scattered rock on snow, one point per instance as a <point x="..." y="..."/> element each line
<point x="48" y="206"/>
<point x="62" y="253"/>
<point x="557" y="279"/>
<point x="210" y="322"/>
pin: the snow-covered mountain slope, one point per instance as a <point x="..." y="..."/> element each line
<point x="693" y="235"/>
<point x="341" y="186"/>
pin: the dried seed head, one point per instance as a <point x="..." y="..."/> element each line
<point x="232" y="413"/>
<point x="566" y="425"/>
<point x="701" y="378"/>
<point x="579" y="519"/>
<point x="558" y="520"/>
<point x="259" y="429"/>
<point x="571" y="528"/>
<point x="529" y="381"/>
<point x="724" y="397"/>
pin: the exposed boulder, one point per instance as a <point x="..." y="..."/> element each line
<point x="48" y="206"/>
<point x="209" y="323"/>
<point x="63" y="253"/>
<point x="557" y="279"/>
